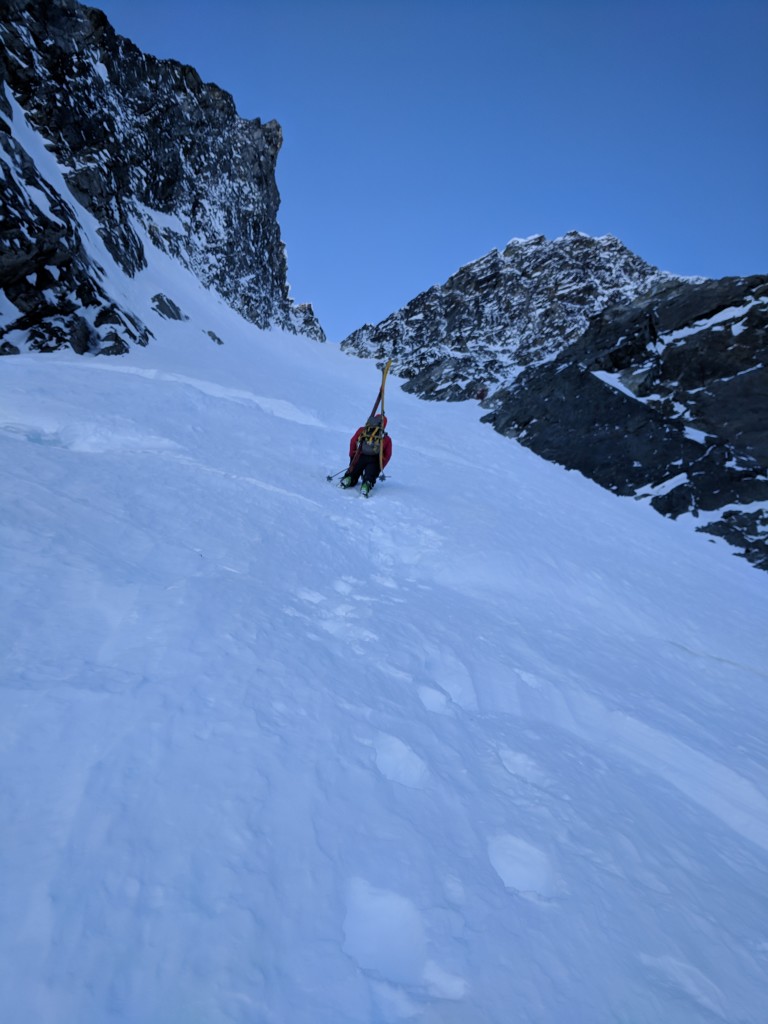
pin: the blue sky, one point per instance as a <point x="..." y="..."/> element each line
<point x="421" y="134"/>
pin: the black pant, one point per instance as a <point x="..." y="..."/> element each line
<point x="367" y="467"/>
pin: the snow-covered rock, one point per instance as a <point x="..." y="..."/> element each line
<point x="469" y="336"/>
<point x="98" y="137"/>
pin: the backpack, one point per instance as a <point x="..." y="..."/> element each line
<point x="370" y="440"/>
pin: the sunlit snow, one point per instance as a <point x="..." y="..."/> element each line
<point x="487" y="747"/>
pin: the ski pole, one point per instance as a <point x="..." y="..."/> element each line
<point x="332" y="476"/>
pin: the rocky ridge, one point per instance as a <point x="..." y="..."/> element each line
<point x="471" y="335"/>
<point x="153" y="155"/>
<point x="653" y="385"/>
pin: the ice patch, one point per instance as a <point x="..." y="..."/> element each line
<point x="384" y="933"/>
<point x="397" y="762"/>
<point x="450" y="672"/>
<point x="522" y="766"/>
<point x="434" y="700"/>
<point x="522" y="867"/>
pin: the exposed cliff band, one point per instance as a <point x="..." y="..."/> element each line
<point x="148" y="150"/>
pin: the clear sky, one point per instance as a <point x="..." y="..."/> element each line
<point x="421" y="134"/>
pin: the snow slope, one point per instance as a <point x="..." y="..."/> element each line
<point x="487" y="747"/>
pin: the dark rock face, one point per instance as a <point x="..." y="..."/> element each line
<point x="150" y="153"/>
<point x="167" y="307"/>
<point x="663" y="398"/>
<point x="652" y="385"/>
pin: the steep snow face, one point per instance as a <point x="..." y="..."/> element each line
<point x="467" y="337"/>
<point x="490" y="744"/>
<point x="145" y="148"/>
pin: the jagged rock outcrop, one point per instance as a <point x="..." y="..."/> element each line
<point x="469" y="336"/>
<point x="151" y="154"/>
<point x="652" y="385"/>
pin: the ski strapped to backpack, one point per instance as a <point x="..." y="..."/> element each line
<point x="379" y="403"/>
<point x="384" y="373"/>
<point x="370" y="440"/>
<point x="380" y="397"/>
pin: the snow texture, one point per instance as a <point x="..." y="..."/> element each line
<point x="488" y="747"/>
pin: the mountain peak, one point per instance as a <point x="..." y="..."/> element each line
<point x="504" y="310"/>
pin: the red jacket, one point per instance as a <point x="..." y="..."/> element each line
<point x="386" y="446"/>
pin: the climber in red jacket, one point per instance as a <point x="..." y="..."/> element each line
<point x="370" y="449"/>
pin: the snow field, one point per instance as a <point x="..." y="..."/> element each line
<point x="489" y="746"/>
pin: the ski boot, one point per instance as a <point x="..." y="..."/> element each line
<point x="346" y="482"/>
<point x="365" y="490"/>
